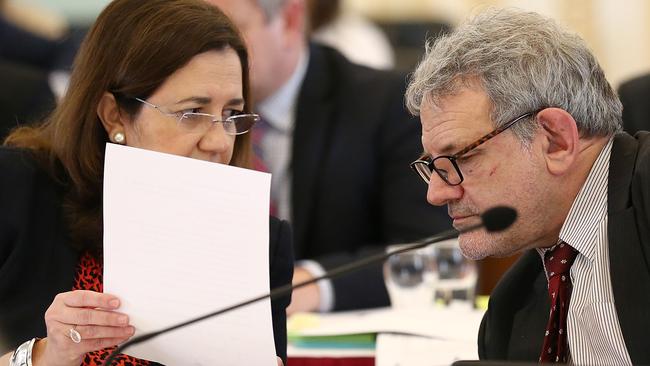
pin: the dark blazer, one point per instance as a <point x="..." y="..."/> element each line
<point x="352" y="189"/>
<point x="25" y="96"/>
<point x="36" y="264"/>
<point x="22" y="46"/>
<point x="26" y="60"/>
<point x="513" y="327"/>
<point x="635" y="95"/>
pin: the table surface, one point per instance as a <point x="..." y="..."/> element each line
<point x="405" y="337"/>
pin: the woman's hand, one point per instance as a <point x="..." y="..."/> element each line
<point x="90" y="314"/>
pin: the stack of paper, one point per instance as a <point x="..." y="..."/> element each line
<point x="413" y="337"/>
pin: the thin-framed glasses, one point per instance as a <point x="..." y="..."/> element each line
<point x="201" y="122"/>
<point x="446" y="166"/>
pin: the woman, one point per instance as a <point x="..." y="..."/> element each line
<point x="163" y="75"/>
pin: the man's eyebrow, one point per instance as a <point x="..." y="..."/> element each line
<point x="447" y="150"/>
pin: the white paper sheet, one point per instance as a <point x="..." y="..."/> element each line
<point x="407" y="350"/>
<point x="455" y="323"/>
<point x="182" y="238"/>
<point x="293" y="351"/>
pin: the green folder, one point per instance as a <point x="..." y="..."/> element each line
<point x="352" y="341"/>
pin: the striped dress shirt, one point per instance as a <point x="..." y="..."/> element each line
<point x="594" y="333"/>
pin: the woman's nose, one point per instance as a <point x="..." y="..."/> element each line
<point x="216" y="140"/>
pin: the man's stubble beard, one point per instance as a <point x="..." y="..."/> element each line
<point x="481" y="244"/>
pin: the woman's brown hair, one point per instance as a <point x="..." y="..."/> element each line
<point x="132" y="48"/>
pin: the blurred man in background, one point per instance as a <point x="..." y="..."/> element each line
<point x="34" y="67"/>
<point x="635" y="96"/>
<point x="338" y="141"/>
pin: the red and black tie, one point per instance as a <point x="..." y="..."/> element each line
<point x="558" y="262"/>
<point x="259" y="162"/>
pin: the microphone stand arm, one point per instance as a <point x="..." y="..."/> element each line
<point x="288" y="288"/>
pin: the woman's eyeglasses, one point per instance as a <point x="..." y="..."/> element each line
<point x="201" y="122"/>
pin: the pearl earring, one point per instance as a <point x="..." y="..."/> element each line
<point x="119" y="137"/>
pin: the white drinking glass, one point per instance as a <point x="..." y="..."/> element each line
<point x="410" y="277"/>
<point x="419" y="277"/>
<point x="456" y="275"/>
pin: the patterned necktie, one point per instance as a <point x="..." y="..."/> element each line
<point x="558" y="262"/>
<point x="258" y="133"/>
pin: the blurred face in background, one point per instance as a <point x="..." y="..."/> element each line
<point x="265" y="39"/>
<point x="275" y="43"/>
<point x="210" y="83"/>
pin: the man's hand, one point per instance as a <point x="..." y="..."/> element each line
<point x="305" y="298"/>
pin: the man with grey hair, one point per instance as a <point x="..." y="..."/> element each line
<point x="337" y="139"/>
<point x="516" y="111"/>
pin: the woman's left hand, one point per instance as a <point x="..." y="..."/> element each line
<point x="78" y="322"/>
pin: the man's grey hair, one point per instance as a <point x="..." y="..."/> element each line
<point x="524" y="62"/>
<point x="271" y="8"/>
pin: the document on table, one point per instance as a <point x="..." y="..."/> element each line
<point x="408" y="350"/>
<point x="416" y="336"/>
<point x="458" y="322"/>
<point x="183" y="238"/>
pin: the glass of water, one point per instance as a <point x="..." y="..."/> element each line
<point x="457" y="275"/>
<point x="410" y="277"/>
<point x="423" y="276"/>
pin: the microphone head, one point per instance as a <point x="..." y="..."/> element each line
<point x="498" y="218"/>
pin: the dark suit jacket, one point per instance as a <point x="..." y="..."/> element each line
<point x="36" y="263"/>
<point x="513" y="327"/>
<point x="25" y="96"/>
<point x="635" y="96"/>
<point x="22" y="46"/>
<point x="26" y="60"/>
<point x="352" y="190"/>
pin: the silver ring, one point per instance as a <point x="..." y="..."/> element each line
<point x="74" y="335"/>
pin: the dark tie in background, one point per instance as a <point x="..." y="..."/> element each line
<point x="558" y="262"/>
<point x="258" y="133"/>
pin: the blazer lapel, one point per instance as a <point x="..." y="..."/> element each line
<point x="628" y="266"/>
<point x="311" y="140"/>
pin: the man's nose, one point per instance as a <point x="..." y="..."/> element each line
<point x="440" y="193"/>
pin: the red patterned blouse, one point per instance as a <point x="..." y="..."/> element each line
<point x="89" y="276"/>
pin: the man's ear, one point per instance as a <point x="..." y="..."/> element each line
<point x="294" y="17"/>
<point x="560" y="140"/>
<point x="109" y="113"/>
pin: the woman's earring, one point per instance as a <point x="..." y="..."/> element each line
<point x="119" y="137"/>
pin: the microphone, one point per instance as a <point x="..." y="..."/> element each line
<point x="493" y="220"/>
<point x="498" y="218"/>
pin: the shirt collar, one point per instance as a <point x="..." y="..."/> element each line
<point x="589" y="207"/>
<point x="282" y="103"/>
